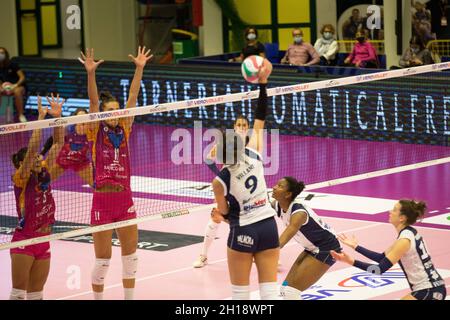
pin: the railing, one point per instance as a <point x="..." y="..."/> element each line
<point x="439" y="49"/>
<point x="346" y="46"/>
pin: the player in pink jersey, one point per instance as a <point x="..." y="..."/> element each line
<point x="74" y="155"/>
<point x="35" y="205"/>
<point x="112" y="201"/>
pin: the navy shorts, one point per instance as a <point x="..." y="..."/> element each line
<point x="325" y="256"/>
<point x="438" y="293"/>
<point x="257" y="237"/>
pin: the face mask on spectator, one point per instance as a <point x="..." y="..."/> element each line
<point x="415" y="50"/>
<point x="361" y="39"/>
<point x="251" y="36"/>
<point x="327" y="35"/>
<point x="2" y="57"/>
<point x="298" y="39"/>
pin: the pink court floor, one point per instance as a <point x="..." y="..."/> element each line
<point x="356" y="205"/>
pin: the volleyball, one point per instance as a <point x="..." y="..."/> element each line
<point x="250" y="68"/>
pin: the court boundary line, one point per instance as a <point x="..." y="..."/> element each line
<point x="203" y="208"/>
<point x="291" y="244"/>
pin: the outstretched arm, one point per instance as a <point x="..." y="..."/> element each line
<point x="296" y="221"/>
<point x="140" y="61"/>
<point x="256" y="140"/>
<point x="353" y="243"/>
<point x="33" y="145"/>
<point x="55" y="111"/>
<point x="91" y="66"/>
<point x="397" y="251"/>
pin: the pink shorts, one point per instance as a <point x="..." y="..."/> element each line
<point x="112" y="207"/>
<point x="72" y="165"/>
<point x="37" y="251"/>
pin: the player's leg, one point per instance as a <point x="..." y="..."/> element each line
<point x="38" y="278"/>
<point x="128" y="237"/>
<point x="210" y="235"/>
<point x="305" y="272"/>
<point x="21" y="265"/>
<point x="239" y="267"/>
<point x="267" y="265"/>
<point x="103" y="252"/>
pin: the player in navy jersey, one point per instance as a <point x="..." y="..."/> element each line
<point x="240" y="191"/>
<point x="241" y="127"/>
<point x="408" y="250"/>
<point x="306" y="227"/>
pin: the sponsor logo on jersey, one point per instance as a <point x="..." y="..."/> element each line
<point x="255" y="205"/>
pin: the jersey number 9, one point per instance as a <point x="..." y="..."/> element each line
<point x="251" y="184"/>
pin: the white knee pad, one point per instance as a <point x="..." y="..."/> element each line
<point x="290" y="293"/>
<point x="211" y="229"/>
<point x="17" y="294"/>
<point x="269" y="291"/>
<point x="129" y="266"/>
<point x="240" y="292"/>
<point x="100" y="271"/>
<point x="35" y="295"/>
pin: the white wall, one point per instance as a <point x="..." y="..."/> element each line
<point x="326" y="13"/>
<point x="211" y="33"/>
<point x="110" y="28"/>
<point x="8" y="27"/>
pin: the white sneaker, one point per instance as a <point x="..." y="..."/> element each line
<point x="22" y="118"/>
<point x="200" y="262"/>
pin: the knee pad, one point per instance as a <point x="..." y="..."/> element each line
<point x="269" y="291"/>
<point x="35" y="295"/>
<point x="211" y="229"/>
<point x="100" y="271"/>
<point x="240" y="292"/>
<point x="17" y="294"/>
<point x="129" y="266"/>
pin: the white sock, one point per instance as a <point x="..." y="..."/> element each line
<point x="128" y="293"/>
<point x="17" y="294"/>
<point x="269" y="291"/>
<point x="35" y="296"/>
<point x="210" y="236"/>
<point x="98" y="295"/>
<point x="289" y="293"/>
<point x="240" y="292"/>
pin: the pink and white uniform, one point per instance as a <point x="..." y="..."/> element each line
<point x="111" y="160"/>
<point x="36" y="213"/>
<point x="74" y="153"/>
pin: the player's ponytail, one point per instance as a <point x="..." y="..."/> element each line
<point x="412" y="210"/>
<point x="295" y="187"/>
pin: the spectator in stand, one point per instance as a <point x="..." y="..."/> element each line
<point x="253" y="47"/>
<point x="300" y="53"/>
<point x="12" y="78"/>
<point x="327" y="46"/>
<point x="363" y="54"/>
<point x="422" y="22"/>
<point x="440" y="23"/>
<point x="352" y="25"/>
<point x="416" y="54"/>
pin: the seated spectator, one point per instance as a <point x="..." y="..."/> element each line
<point x="300" y="53"/>
<point x="253" y="47"/>
<point x="363" y="54"/>
<point x="327" y="46"/>
<point x="416" y="54"/>
<point x="11" y="73"/>
<point x="352" y="25"/>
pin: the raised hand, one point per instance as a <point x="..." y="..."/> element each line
<point x="142" y="58"/>
<point x="351" y="242"/>
<point x="264" y="71"/>
<point x="55" y="106"/>
<point x="88" y="61"/>
<point x="342" y="257"/>
<point x="41" y="110"/>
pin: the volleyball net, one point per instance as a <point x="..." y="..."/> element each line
<point x="169" y="177"/>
